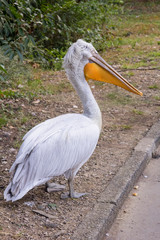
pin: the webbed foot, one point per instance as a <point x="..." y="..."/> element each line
<point x="73" y="195"/>
<point x="54" y="187"/>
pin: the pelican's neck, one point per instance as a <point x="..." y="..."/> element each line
<point x="90" y="106"/>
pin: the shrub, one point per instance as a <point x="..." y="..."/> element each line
<point x="43" y="30"/>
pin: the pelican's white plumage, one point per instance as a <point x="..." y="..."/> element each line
<point x="63" y="144"/>
<point x="60" y="145"/>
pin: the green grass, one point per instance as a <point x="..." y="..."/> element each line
<point x="155" y="86"/>
<point x="122" y="127"/>
<point x="154" y="54"/>
<point x="13" y="116"/>
<point x="138" y="112"/>
<point x="118" y="98"/>
<point x="9" y="94"/>
<point x="3" y="121"/>
<point x="130" y="74"/>
<point x="136" y="37"/>
<point x="125" y="127"/>
<point x="24" y="83"/>
<point x="62" y="86"/>
<point x="157" y="98"/>
<point x="98" y="83"/>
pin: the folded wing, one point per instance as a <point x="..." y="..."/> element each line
<point x="50" y="149"/>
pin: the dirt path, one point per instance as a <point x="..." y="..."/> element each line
<point x="126" y="118"/>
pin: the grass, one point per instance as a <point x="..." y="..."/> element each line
<point x="122" y="127"/>
<point x="157" y="98"/>
<point x="23" y="83"/>
<point x="155" y="86"/>
<point x="59" y="87"/>
<point x="154" y="54"/>
<point x="125" y="127"/>
<point x="138" y="112"/>
<point x="130" y="74"/>
<point x="13" y="116"/>
<point x="9" y="94"/>
<point x="3" y="120"/>
<point x="136" y="37"/>
<point x="118" y="98"/>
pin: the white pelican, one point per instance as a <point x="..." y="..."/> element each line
<point x="63" y="144"/>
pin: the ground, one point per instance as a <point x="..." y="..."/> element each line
<point x="126" y="119"/>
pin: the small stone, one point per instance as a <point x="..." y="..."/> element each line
<point x="4" y="162"/>
<point x="20" y="86"/>
<point x="11" y="127"/>
<point x="41" y="207"/>
<point x="12" y="150"/>
<point x="36" y="101"/>
<point x="6" y="134"/>
<point x="145" y="176"/>
<point x="33" y="114"/>
<point x="59" y="233"/>
<point x="29" y="204"/>
<point x="75" y="106"/>
<point x="50" y="224"/>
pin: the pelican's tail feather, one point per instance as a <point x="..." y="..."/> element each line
<point x="22" y="181"/>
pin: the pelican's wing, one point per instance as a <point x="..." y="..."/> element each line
<point x="51" y="149"/>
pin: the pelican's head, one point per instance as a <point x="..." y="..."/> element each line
<point x="79" y="53"/>
<point x="83" y="56"/>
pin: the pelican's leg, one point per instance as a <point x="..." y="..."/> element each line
<point x="54" y="187"/>
<point x="72" y="193"/>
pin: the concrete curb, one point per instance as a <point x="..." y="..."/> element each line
<point x="99" y="220"/>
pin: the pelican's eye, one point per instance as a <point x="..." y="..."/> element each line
<point x="90" y="61"/>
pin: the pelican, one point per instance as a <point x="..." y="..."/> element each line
<point x="61" y="145"/>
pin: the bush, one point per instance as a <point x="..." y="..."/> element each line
<point x="43" y="30"/>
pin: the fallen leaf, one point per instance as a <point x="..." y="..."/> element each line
<point x="36" y="101"/>
<point x="135" y="194"/>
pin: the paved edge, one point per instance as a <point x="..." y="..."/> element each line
<point x="98" y="221"/>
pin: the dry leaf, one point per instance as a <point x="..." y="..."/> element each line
<point x="134" y="194"/>
<point x="36" y="101"/>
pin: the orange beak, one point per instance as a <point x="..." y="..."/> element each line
<point x="98" y="69"/>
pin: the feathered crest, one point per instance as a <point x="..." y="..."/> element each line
<point x="76" y="52"/>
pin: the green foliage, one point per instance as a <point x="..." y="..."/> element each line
<point x="2" y="70"/>
<point x="43" y="30"/>
<point x="9" y="94"/>
<point x="15" y="27"/>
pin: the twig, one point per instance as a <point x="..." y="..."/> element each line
<point x="8" y="234"/>
<point x="40" y="212"/>
<point x="138" y="69"/>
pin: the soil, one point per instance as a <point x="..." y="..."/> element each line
<point x="126" y="119"/>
